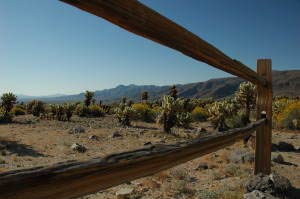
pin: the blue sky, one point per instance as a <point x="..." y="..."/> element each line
<point x="48" y="47"/>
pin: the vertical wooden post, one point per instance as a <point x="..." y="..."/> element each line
<point x="264" y="109"/>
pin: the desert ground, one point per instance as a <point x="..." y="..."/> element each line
<point x="30" y="142"/>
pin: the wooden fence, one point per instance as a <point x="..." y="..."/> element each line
<point x="74" y="179"/>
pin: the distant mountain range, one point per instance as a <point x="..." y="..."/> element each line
<point x="284" y="83"/>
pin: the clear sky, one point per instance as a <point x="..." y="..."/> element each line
<point x="48" y="47"/>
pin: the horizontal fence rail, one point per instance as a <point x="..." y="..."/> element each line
<point x="141" y="20"/>
<point x="74" y="179"/>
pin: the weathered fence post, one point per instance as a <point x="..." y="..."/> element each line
<point x="264" y="109"/>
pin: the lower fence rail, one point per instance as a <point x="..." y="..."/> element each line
<point x="74" y="179"/>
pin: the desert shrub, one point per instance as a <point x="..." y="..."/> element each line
<point x="36" y="107"/>
<point x="199" y="114"/>
<point x="124" y="113"/>
<point x="5" y="117"/>
<point x="143" y="112"/>
<point x="290" y="116"/>
<point x="183" y="119"/>
<point x="17" y="110"/>
<point x="96" y="111"/>
<point x="82" y="110"/>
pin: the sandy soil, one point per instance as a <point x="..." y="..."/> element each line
<point x="30" y="142"/>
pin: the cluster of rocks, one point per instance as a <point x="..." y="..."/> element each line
<point x="77" y="130"/>
<point x="242" y="156"/>
<point x="273" y="186"/>
<point x="78" y="148"/>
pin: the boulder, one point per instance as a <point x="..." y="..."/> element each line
<point x="77" y="147"/>
<point x="116" y="134"/>
<point x="281" y="184"/>
<point x="260" y="182"/>
<point x="93" y="137"/>
<point x="77" y="129"/>
<point x="258" y="195"/>
<point x="202" y="166"/>
<point x="278" y="158"/>
<point x="124" y="193"/>
<point x="273" y="184"/>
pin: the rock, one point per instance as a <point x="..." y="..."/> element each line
<point x="116" y="134"/>
<point x="93" y="137"/>
<point x="273" y="184"/>
<point x="147" y="143"/>
<point x="260" y="182"/>
<point x="281" y="184"/>
<point x="124" y="193"/>
<point x="258" y="195"/>
<point x="201" y="130"/>
<point x="278" y="158"/>
<point x="202" y="166"/>
<point x="77" y="147"/>
<point x="77" y="129"/>
<point x="286" y="147"/>
<point x="241" y="156"/>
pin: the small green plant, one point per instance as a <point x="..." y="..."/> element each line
<point x="143" y="112"/>
<point x="96" y="111"/>
<point x="82" y="110"/>
<point x="199" y="114"/>
<point x="18" y="110"/>
<point x="290" y="116"/>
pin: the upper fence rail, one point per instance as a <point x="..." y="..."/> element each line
<point x="142" y="20"/>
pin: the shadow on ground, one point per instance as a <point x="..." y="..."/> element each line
<point x="19" y="149"/>
<point x="294" y="194"/>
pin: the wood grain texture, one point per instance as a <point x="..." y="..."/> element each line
<point x="75" y="179"/>
<point x="264" y="133"/>
<point x="141" y="20"/>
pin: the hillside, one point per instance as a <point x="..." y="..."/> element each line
<point x="284" y="83"/>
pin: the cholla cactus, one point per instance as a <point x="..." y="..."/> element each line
<point x="245" y="96"/>
<point x="69" y="110"/>
<point x="7" y="102"/>
<point x="124" y="113"/>
<point x="184" y="119"/>
<point x="219" y="111"/>
<point x="168" y="112"/>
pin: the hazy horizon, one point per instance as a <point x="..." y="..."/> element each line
<point x="49" y="47"/>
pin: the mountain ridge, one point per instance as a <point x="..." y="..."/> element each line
<point x="284" y="83"/>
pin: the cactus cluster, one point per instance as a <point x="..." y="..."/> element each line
<point x="124" y="112"/>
